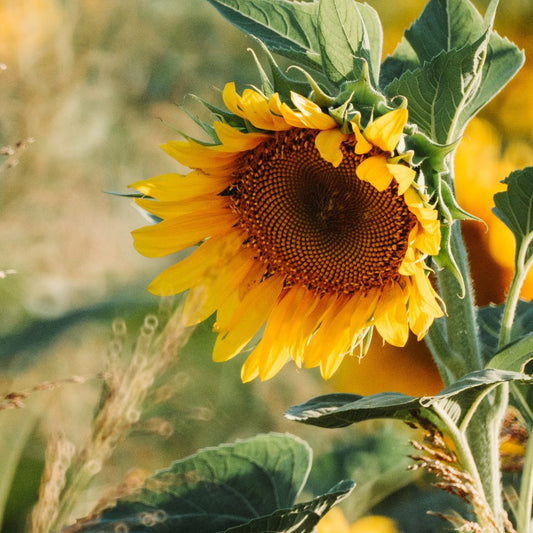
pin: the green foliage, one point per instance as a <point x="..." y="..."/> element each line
<point x="515" y="208"/>
<point x="449" y="65"/>
<point x="246" y="487"/>
<point x="286" y="28"/>
<point x="340" y="410"/>
<point x="349" y="34"/>
<point x="490" y="318"/>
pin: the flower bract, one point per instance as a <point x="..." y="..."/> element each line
<point x="313" y="234"/>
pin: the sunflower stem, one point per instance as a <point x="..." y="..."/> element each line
<point x="455" y="347"/>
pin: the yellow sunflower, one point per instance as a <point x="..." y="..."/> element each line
<point x="314" y="231"/>
<point x="335" y="522"/>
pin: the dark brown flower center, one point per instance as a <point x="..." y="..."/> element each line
<point x="316" y="224"/>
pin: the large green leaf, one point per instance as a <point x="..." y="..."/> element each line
<point x="349" y="33"/>
<point x="515" y="208"/>
<point x="437" y="93"/>
<point x="301" y="518"/>
<point x="444" y="25"/>
<point x="245" y="487"/>
<point x="286" y="28"/>
<point x="449" y="64"/>
<point x="340" y="410"/>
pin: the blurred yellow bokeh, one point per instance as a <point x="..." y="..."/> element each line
<point x="335" y="522"/>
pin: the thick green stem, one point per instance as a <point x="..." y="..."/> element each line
<point x="453" y="341"/>
<point x="483" y="437"/>
<point x="455" y="346"/>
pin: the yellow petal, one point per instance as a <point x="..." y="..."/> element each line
<point x="362" y="146"/>
<point x="403" y="175"/>
<point x="198" y="156"/>
<point x="308" y="114"/>
<point x="258" y="112"/>
<point x="236" y="141"/>
<point x="232" y="99"/>
<point x="163" y="209"/>
<point x="390" y="317"/>
<point x="175" y="187"/>
<point x="375" y="171"/>
<point x="328" y="143"/>
<point x="190" y="271"/>
<point x="178" y="233"/>
<point x="385" y="132"/>
<point x="215" y="287"/>
<point x="252" y="312"/>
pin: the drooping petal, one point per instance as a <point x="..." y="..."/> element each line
<point x="252" y="311"/>
<point x="309" y="114"/>
<point x="390" y="317"/>
<point x="362" y="146"/>
<point x="403" y="175"/>
<point x="385" y="132"/>
<point x="328" y="143"/>
<point x="375" y="170"/>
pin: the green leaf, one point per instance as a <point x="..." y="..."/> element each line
<point x="286" y="28"/>
<point x="349" y="34"/>
<point x="503" y="60"/>
<point x="248" y="486"/>
<point x="489" y="319"/>
<point x="340" y="410"/>
<point x="449" y="64"/>
<point x="515" y="208"/>
<point x="444" y="25"/>
<point x="514" y="356"/>
<point x="301" y="518"/>
<point x="438" y="92"/>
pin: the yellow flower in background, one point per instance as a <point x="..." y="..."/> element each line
<point x="24" y="26"/>
<point x="481" y="164"/>
<point x="335" y="522"/>
<point x="315" y="232"/>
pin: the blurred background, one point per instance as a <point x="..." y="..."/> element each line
<point x="90" y="89"/>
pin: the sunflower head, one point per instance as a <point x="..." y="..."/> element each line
<point x="314" y="233"/>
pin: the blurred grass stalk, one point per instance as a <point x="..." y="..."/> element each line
<point x="127" y="381"/>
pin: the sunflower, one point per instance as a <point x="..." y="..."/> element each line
<point x="309" y="229"/>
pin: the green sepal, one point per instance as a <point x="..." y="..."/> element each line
<point x="427" y="150"/>
<point x="280" y="82"/>
<point x="447" y="197"/>
<point x="223" y="115"/>
<point x="206" y="127"/>
<point x="363" y="94"/>
<point x="319" y="96"/>
<point x="445" y="258"/>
